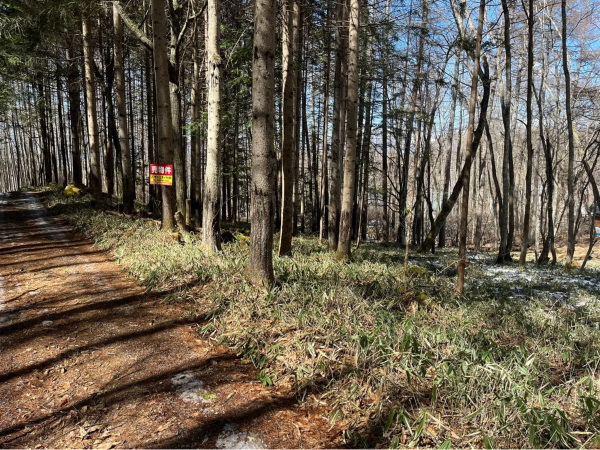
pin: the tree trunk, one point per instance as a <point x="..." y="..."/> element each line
<point x="324" y="177"/>
<point x="529" y="173"/>
<point x="61" y="128"/>
<point x="338" y="93"/>
<point x="471" y="151"/>
<point x="298" y="43"/>
<point x="548" y="244"/>
<point x="343" y="252"/>
<point x="366" y="150"/>
<point x="462" y="246"/>
<point x="447" y="167"/>
<point x="570" y="177"/>
<point x="264" y="168"/>
<point x="128" y="182"/>
<point x="211" y="226"/>
<point x="44" y="138"/>
<point x="410" y="126"/>
<point x="163" y="107"/>
<point x="74" y="117"/>
<point x="95" y="180"/>
<point x="150" y="118"/>
<point x="505" y="104"/>
<point x="287" y="138"/>
<point x="593" y="236"/>
<point x="195" y="190"/>
<point x="384" y="157"/>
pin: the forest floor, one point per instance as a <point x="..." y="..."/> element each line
<point x="90" y="359"/>
<point x="166" y="346"/>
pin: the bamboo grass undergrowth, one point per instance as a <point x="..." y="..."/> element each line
<point x="504" y="365"/>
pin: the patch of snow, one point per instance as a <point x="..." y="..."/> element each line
<point x="539" y="274"/>
<point x="189" y="388"/>
<point x="501" y="273"/>
<point x="46" y="323"/>
<point x="231" y="437"/>
<point x="478" y="257"/>
<point x="551" y="283"/>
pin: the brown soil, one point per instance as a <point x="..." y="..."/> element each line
<point x="89" y="360"/>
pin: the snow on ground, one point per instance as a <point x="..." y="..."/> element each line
<point x="555" y="285"/>
<point x="232" y="437"/>
<point x="190" y="388"/>
<point x="540" y="277"/>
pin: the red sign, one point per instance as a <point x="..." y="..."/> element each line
<point x="161" y="174"/>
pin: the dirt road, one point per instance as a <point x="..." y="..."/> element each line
<point x="88" y="359"/>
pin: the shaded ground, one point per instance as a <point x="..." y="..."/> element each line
<point x="88" y="359"/>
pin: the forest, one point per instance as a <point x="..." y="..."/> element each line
<point x="396" y="190"/>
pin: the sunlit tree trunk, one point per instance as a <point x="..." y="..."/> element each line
<point x="287" y="138"/>
<point x="264" y="166"/>
<point x="343" y="251"/>
<point x="211" y="227"/>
